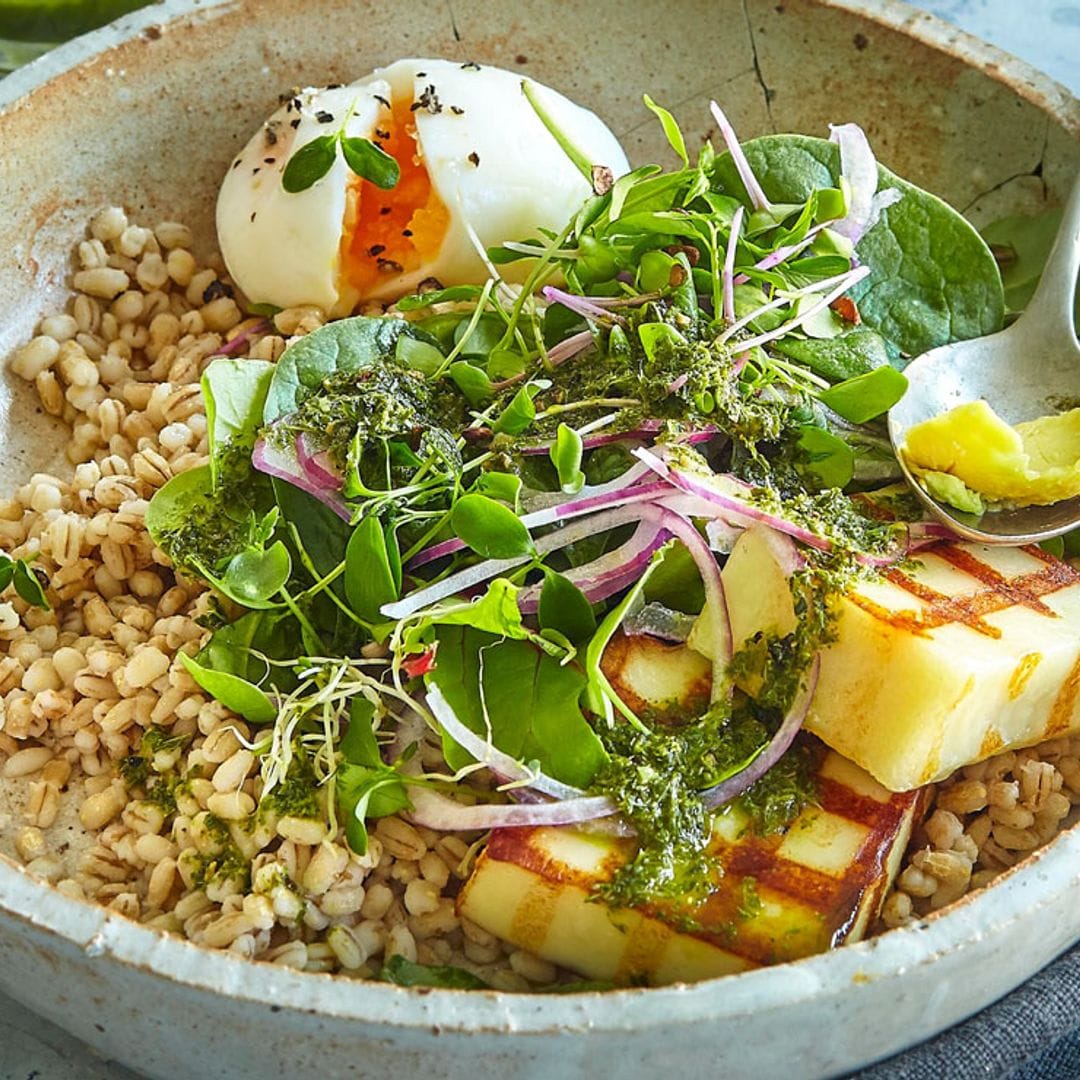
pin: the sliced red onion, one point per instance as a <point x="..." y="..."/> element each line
<point x="643" y="432"/>
<point x="722" y="535"/>
<point x="621" y="491"/>
<point x="727" y="275"/>
<point x="435" y="811"/>
<point x="610" y="573"/>
<point x="284" y="464"/>
<point x="573" y="345"/>
<point x="783" y="253"/>
<point x="734" y="786"/>
<point x="317" y="464"/>
<point x="678" y="383"/>
<point x="706" y="564"/>
<point x="736" y="510"/>
<point x="656" y="620"/>
<point x="491" y="756"/>
<point x="859" y="168"/>
<point x="237" y="343"/>
<point x="580" y="305"/>
<point x="471" y="576"/>
<point x="742" y="166"/>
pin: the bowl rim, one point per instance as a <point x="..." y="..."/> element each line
<point x="1032" y="885"/>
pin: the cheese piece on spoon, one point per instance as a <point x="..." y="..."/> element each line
<point x="1035" y="463"/>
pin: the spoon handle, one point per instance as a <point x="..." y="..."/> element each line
<point x="1050" y="309"/>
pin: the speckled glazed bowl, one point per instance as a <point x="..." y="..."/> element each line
<point x="147" y="113"/>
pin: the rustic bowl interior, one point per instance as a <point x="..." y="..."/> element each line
<point x="147" y="115"/>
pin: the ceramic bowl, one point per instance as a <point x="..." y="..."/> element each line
<point x="148" y="113"/>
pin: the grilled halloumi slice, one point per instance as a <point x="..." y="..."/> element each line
<point x="974" y="651"/>
<point x="779" y="898"/>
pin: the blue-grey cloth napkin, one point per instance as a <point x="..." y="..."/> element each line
<point x="1032" y="1034"/>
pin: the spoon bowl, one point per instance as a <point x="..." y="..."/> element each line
<point x="1032" y="369"/>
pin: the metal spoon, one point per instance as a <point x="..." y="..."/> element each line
<point x="1030" y="370"/>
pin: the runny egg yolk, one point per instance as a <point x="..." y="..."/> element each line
<point x="390" y="232"/>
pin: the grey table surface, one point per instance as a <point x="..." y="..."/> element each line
<point x="1046" y="33"/>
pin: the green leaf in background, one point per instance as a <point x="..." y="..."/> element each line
<point x="826" y="458"/>
<point x="58" y="20"/>
<point x="1022" y="244"/>
<point x="933" y="279"/>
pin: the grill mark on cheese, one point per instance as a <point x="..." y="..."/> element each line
<point x="835" y="903"/>
<point x="1061" y="713"/>
<point x="1022" y="673"/>
<point x="998" y="594"/>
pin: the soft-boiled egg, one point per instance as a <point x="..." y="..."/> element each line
<point x="473" y="156"/>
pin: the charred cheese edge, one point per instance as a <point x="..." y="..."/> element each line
<point x="779" y="898"/>
<point x="975" y="650"/>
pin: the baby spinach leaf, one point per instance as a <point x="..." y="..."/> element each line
<point x="825" y="457"/>
<point x="855" y="352"/>
<point x="529" y="699"/>
<point x="319" y="531"/>
<point x="565" y="608"/>
<point x="489" y="528"/>
<point x="184" y="496"/>
<point x="233" y="692"/>
<point x="866" y="396"/>
<point x="234" y="392"/>
<point x="342" y="346"/>
<point x="932" y="280"/>
<point x="309" y="164"/>
<point x="371" y="162"/>
<point x="404" y="972"/>
<point x="1022" y="245"/>
<point x="566" y="453"/>
<point x="372" y="568"/>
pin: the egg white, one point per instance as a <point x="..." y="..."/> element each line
<point x="489" y="158"/>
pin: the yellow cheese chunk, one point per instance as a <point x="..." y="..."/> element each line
<point x="778" y="898"/>
<point x="1037" y="462"/>
<point x="975" y="650"/>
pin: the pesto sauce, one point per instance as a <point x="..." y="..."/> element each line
<point x="297" y="795"/>
<point x="656" y="779"/>
<point x="362" y="410"/>
<point x="224" y="522"/>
